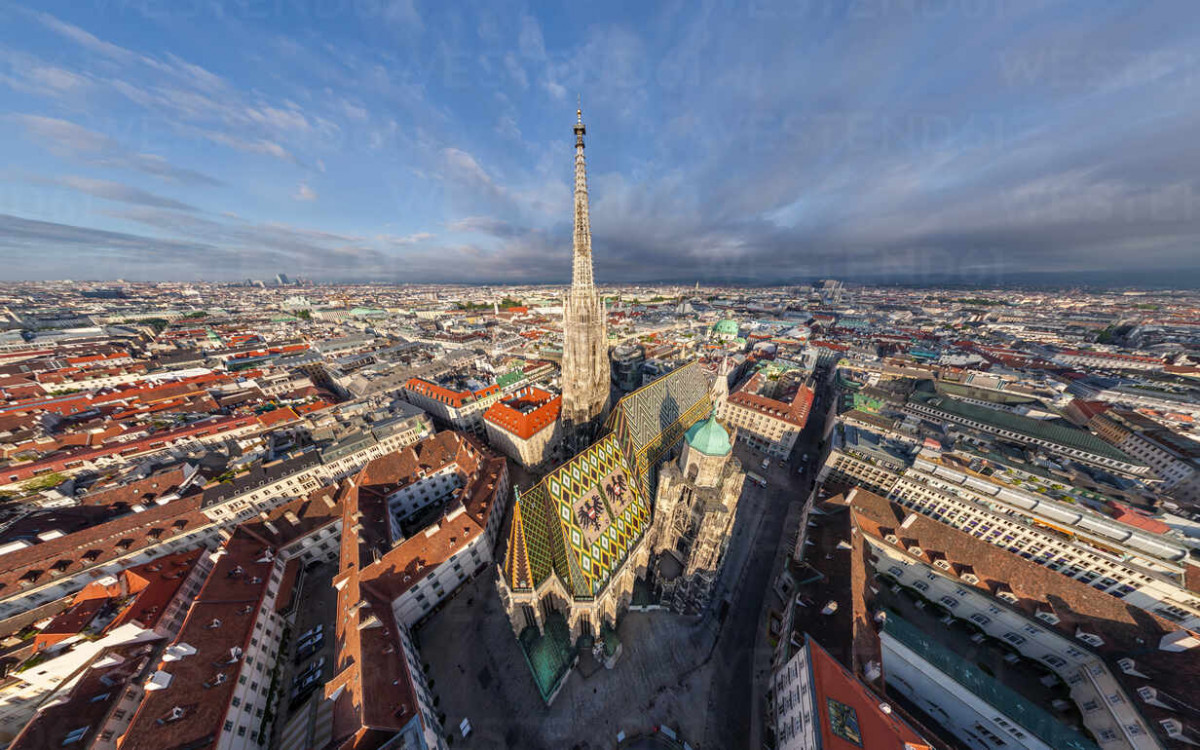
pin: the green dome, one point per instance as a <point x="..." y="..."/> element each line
<point x="726" y="327"/>
<point x="709" y="437"/>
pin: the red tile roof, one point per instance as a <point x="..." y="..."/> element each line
<point x="232" y="596"/>
<point x="285" y="524"/>
<point x="878" y="730"/>
<point x="516" y="416"/>
<point x="794" y="412"/>
<point x="1133" y="517"/>
<point x="140" y="492"/>
<point x="456" y="399"/>
<point x="88" y="703"/>
<point x="155" y="584"/>
<point x="372" y="704"/>
<point x="99" y="544"/>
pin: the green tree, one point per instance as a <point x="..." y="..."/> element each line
<point x="45" y="481"/>
<point x="158" y="324"/>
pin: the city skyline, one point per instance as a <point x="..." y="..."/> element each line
<point x="400" y="142"/>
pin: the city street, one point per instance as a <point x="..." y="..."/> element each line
<point x="305" y="724"/>
<point x="743" y="652"/>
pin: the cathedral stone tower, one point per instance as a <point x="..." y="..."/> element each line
<point x="694" y="512"/>
<point x="585" y="368"/>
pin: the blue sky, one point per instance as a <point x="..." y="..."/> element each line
<point x="913" y="140"/>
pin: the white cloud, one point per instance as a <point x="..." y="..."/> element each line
<point x="70" y="141"/>
<point x="115" y="191"/>
<point x="304" y="193"/>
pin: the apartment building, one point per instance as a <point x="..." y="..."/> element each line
<point x="1149" y="571"/>
<point x="213" y="684"/>
<point x="1171" y="457"/>
<point x="1107" y="360"/>
<point x="976" y="708"/>
<point x="861" y="458"/>
<point x="768" y="415"/>
<point x="422" y="565"/>
<point x="389" y="580"/>
<point x="140" y="606"/>
<point x="457" y="409"/>
<point x="525" y="426"/>
<point x="1058" y="622"/>
<point x="1059" y="439"/>
<point x="819" y="703"/>
<point x="37" y="572"/>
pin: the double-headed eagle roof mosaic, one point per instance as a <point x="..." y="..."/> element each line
<point x="580" y="522"/>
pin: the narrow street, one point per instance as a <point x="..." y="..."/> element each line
<point x="742" y="653"/>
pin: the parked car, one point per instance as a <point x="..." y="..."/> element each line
<point x="304" y="689"/>
<point x="309" y="671"/>
<point x="309" y="647"/>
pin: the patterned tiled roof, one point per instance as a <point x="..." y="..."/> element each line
<point x="581" y="520"/>
<point x="652" y="420"/>
<point x="579" y="523"/>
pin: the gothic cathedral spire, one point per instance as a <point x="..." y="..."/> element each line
<point x="585" y="368"/>
<point x="582" y="270"/>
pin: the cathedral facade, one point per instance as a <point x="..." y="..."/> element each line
<point x="581" y="536"/>
<point x="694" y="512"/>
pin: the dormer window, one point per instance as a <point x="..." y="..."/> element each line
<point x="1090" y="638"/>
<point x="944" y="565"/>
<point x="1008" y="596"/>
<point x="1049" y="617"/>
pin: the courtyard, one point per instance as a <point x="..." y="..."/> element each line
<point x="480" y="673"/>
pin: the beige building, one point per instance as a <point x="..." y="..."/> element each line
<point x="460" y="410"/>
<point x="768" y="414"/>
<point x="525" y="426"/>
<point x="1171" y="457"/>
